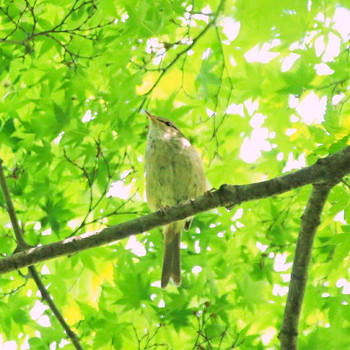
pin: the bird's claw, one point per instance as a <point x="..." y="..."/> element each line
<point x="164" y="210"/>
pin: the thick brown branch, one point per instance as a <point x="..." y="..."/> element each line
<point x="327" y="170"/>
<point x="309" y="223"/>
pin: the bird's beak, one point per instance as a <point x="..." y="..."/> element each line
<point x="152" y="118"/>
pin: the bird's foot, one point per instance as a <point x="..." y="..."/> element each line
<point x="210" y="192"/>
<point x="164" y="210"/>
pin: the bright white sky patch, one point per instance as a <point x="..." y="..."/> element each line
<point x="332" y="49"/>
<point x="290" y="132"/>
<point x="257" y="120"/>
<point x="119" y="189"/>
<point x="235" y="109"/>
<point x="44" y="321"/>
<point x="342" y="282"/>
<point x="135" y="246"/>
<point x="279" y="290"/>
<point x="231" y="29"/>
<point x="197" y="248"/>
<point x="8" y="345"/>
<point x="293" y="118"/>
<point x="261" y="246"/>
<point x="321" y="18"/>
<point x="252" y="146"/>
<point x="233" y="61"/>
<point x="280" y="264"/>
<point x="153" y="45"/>
<point x="306" y="40"/>
<point x="319" y="46"/>
<point x="340" y="217"/>
<point x="206" y="53"/>
<point x="251" y="106"/>
<point x="342" y="22"/>
<point x="58" y="138"/>
<point x="45" y="270"/>
<point x="159" y="57"/>
<point x="263" y="55"/>
<point x="293" y="101"/>
<point x="37" y="310"/>
<point x="312" y="108"/>
<point x="47" y="232"/>
<point x="200" y="17"/>
<point x="156" y="284"/>
<point x="125" y="16"/>
<point x="183" y="245"/>
<point x="206" y="10"/>
<point x="294" y="163"/>
<point x="268" y="335"/>
<point x="287" y="63"/>
<point x="285" y="277"/>
<point x="323" y="69"/>
<point x="87" y="116"/>
<point x="337" y="98"/>
<point x="197" y="269"/>
<point x="238" y="214"/>
<point x="280" y="156"/>
<point x="63" y="343"/>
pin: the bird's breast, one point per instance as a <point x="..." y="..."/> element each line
<point x="174" y="172"/>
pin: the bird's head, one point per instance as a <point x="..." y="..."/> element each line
<point x="163" y="127"/>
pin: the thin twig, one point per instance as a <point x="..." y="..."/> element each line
<point x="195" y="40"/>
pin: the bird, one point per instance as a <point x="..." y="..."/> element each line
<point x="174" y="174"/>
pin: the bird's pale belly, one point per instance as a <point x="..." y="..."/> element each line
<point x="172" y="179"/>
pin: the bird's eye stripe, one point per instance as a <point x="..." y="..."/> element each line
<point x="168" y="123"/>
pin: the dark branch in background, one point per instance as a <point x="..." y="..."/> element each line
<point x="82" y="30"/>
<point x="90" y="181"/>
<point x="203" y="340"/>
<point x="22" y="245"/>
<point x="326" y="170"/>
<point x="309" y="223"/>
<point x="184" y="51"/>
<point x="147" y="337"/>
<point x="46" y="296"/>
<point x="224" y="68"/>
<point x="3" y="295"/>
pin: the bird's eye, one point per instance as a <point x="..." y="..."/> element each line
<point x="168" y="123"/>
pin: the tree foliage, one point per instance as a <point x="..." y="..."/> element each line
<point x="75" y="77"/>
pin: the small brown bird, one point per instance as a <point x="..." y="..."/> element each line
<point x="174" y="174"/>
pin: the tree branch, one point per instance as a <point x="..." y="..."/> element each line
<point x="21" y="245"/>
<point x="82" y="30"/>
<point x="326" y="170"/>
<point x="46" y="296"/>
<point x="309" y="223"/>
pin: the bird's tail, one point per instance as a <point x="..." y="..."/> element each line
<point x="171" y="260"/>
